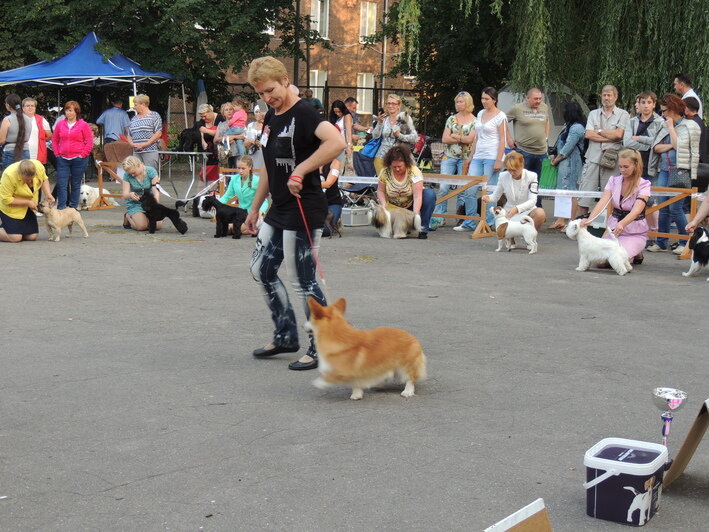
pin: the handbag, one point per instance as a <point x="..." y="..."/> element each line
<point x="609" y="158"/>
<point x="371" y="148"/>
<point x="679" y="178"/>
<point x="547" y="179"/>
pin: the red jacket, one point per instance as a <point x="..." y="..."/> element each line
<point x="75" y="141"/>
<point x="42" y="140"/>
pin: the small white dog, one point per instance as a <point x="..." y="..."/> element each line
<point x="508" y="229"/>
<point x="594" y="251"/>
<point x="89" y="195"/>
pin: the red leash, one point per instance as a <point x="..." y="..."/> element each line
<point x="312" y="246"/>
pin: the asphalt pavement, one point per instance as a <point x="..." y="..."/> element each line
<point x="129" y="399"/>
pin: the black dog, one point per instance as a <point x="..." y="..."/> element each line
<point x="226" y="214"/>
<point x="190" y="139"/>
<point x="156" y="212"/>
<point x="699" y="244"/>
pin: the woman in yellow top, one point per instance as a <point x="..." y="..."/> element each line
<point x="401" y="184"/>
<point x="19" y="194"/>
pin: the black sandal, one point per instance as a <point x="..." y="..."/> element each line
<point x="638" y="259"/>
<point x="126" y="223"/>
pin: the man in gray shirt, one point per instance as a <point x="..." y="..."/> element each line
<point x="604" y="130"/>
<point x="115" y="122"/>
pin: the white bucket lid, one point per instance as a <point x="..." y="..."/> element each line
<point x="591" y="460"/>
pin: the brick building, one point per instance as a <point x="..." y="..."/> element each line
<point x="349" y="69"/>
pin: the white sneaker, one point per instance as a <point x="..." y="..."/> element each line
<point x="655" y="248"/>
<point x="678" y="250"/>
<point x="461" y="228"/>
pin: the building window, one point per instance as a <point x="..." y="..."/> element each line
<point x="365" y="93"/>
<point x="367" y="20"/>
<point x="320" y="15"/>
<point x="317" y="82"/>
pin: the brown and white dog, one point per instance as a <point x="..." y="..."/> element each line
<point x="361" y="359"/>
<point x="394" y="222"/>
<point x="59" y="219"/>
<point x="508" y="229"/>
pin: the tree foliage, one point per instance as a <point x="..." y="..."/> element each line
<point x="632" y="44"/>
<point x="189" y="39"/>
<point x="465" y="52"/>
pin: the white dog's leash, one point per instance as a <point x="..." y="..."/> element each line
<point x="200" y="193"/>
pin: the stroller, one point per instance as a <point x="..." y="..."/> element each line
<point x="360" y="194"/>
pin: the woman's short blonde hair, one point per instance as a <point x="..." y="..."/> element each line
<point x="142" y="98"/>
<point x="469" y="106"/>
<point x="514" y="161"/>
<point x="266" y="69"/>
<point x="27" y="168"/>
<point x="394" y="97"/>
<point x="131" y="163"/>
<point x="225" y="106"/>
<point x="204" y="108"/>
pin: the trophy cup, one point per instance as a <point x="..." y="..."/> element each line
<point x="668" y="400"/>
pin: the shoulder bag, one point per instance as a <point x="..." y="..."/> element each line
<point x="371" y="148"/>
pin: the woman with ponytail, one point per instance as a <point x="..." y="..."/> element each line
<point x="15" y="132"/>
<point x="242" y="186"/>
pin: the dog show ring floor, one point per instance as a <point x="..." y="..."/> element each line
<point x="130" y="399"/>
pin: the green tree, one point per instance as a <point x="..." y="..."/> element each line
<point x="189" y="39"/>
<point x="634" y="45"/>
<point x="465" y="52"/>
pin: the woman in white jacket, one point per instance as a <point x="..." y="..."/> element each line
<point x="520" y="189"/>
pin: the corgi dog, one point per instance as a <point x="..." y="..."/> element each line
<point x="361" y="359"/>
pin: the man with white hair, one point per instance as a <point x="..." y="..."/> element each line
<point x="604" y="130"/>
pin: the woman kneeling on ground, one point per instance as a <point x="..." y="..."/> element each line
<point x="242" y="186"/>
<point x="137" y="179"/>
<point x="19" y="194"/>
<point x="628" y="194"/>
<point x="401" y="184"/>
<point x="520" y="188"/>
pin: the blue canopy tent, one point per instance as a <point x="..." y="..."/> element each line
<point x="83" y="65"/>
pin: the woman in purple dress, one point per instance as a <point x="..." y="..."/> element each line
<point x="628" y="194"/>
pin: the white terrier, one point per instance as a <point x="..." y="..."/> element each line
<point x="594" y="251"/>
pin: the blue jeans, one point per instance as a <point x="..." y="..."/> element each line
<point x="272" y="247"/>
<point x="449" y="166"/>
<point x="674" y="212"/>
<point x="8" y="157"/>
<point x="70" y="171"/>
<point x="428" y="203"/>
<point x="533" y="163"/>
<point x="336" y="211"/>
<point x="479" y="167"/>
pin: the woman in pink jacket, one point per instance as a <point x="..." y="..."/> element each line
<point x="72" y="143"/>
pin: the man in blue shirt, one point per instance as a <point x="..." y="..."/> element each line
<point x="115" y="122"/>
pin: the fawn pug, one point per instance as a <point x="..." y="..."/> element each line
<point x="59" y="219"/>
<point x="361" y="359"/>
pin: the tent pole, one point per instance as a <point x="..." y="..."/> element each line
<point x="184" y="103"/>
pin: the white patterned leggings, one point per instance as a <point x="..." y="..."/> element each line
<point x="272" y="246"/>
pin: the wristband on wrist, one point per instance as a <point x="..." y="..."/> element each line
<point x="296" y="178"/>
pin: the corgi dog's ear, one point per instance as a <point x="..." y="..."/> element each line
<point x="316" y="309"/>
<point x="341" y="305"/>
